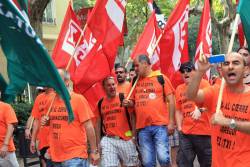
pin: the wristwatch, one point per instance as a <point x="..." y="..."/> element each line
<point x="232" y="124"/>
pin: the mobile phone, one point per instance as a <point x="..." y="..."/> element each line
<point x="216" y="58"/>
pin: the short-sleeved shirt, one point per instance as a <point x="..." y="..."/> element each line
<point x="40" y="108"/>
<point x="124" y="88"/>
<point x="150" y="107"/>
<point x="114" y="118"/>
<point x="7" y="116"/>
<point x="230" y="148"/>
<point x="68" y="139"/>
<point x="189" y="125"/>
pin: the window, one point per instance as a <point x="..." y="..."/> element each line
<point x="49" y="13"/>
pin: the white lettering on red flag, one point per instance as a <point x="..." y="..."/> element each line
<point x="115" y="13"/>
<point x="180" y="32"/>
<point x="71" y="38"/>
<point x="205" y="35"/>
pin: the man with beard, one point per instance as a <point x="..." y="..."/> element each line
<point x="123" y="86"/>
<point x="117" y="145"/>
<point x="154" y="120"/>
<point x="231" y="125"/>
<point x="194" y="128"/>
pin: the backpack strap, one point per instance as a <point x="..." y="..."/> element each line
<point x="103" y="131"/>
<point x="162" y="82"/>
<point x="122" y="97"/>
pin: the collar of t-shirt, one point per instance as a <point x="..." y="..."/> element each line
<point x="154" y="73"/>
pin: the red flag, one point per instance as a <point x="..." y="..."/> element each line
<point x="106" y="24"/>
<point x="147" y="41"/>
<point x="65" y="46"/>
<point x="174" y="43"/>
<point x="241" y="35"/>
<point x="150" y="5"/>
<point x="67" y="40"/>
<point x="82" y="15"/>
<point x="93" y="94"/>
<point x="204" y="39"/>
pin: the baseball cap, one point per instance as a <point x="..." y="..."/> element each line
<point x="187" y="66"/>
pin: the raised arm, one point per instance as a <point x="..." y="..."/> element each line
<point x="193" y="92"/>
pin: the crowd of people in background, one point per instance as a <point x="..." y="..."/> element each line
<point x="155" y="124"/>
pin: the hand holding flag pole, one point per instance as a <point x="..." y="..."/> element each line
<point x="150" y="55"/>
<point x="68" y="65"/>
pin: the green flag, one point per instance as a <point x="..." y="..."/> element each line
<point x="244" y="11"/>
<point x="27" y="59"/>
<point x="3" y="86"/>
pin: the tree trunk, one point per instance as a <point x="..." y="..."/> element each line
<point x="36" y="11"/>
<point x="223" y="38"/>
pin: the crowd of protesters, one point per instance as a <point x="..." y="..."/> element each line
<point x="154" y="124"/>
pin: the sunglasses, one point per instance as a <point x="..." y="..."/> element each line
<point x="187" y="69"/>
<point x="119" y="72"/>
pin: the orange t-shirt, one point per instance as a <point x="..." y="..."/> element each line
<point x="150" y="108"/>
<point x="123" y="88"/>
<point x="7" y="116"/>
<point x="218" y="81"/>
<point x="69" y="140"/>
<point x="40" y="109"/>
<point x="230" y="148"/>
<point x="114" y="118"/>
<point x="189" y="125"/>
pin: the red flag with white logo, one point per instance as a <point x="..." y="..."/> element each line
<point x="147" y="41"/>
<point x="66" y="46"/>
<point x="204" y="38"/>
<point x="174" y="43"/>
<point x="106" y="24"/>
<point x="67" y="40"/>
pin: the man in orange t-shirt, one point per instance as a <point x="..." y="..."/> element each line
<point x="231" y="125"/>
<point x="116" y="144"/>
<point x="154" y="121"/>
<point x="123" y="86"/>
<point x="41" y="133"/>
<point x="68" y="140"/>
<point x="7" y="121"/>
<point x="194" y="128"/>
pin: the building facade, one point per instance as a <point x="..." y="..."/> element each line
<point x="52" y="21"/>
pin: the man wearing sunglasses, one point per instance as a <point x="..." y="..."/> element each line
<point x="193" y="127"/>
<point x="123" y="86"/>
<point x="231" y="124"/>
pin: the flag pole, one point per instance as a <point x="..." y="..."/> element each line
<point x="31" y="123"/>
<point x="156" y="44"/>
<point x="29" y="93"/>
<point x="68" y="65"/>
<point x="150" y="55"/>
<point x="228" y="51"/>
<point x="128" y="61"/>
<point x="79" y="40"/>
<point x="132" y="89"/>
